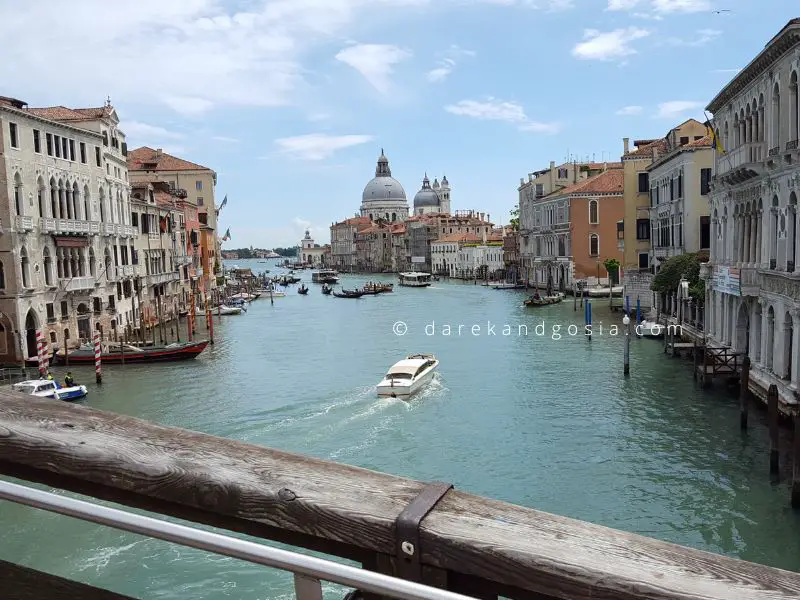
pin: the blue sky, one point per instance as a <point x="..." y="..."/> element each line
<point x="290" y="101"/>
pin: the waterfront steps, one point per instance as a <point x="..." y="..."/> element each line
<point x="469" y="544"/>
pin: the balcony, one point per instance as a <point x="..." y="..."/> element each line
<point x="23" y="223"/>
<point x="160" y="278"/>
<point x="77" y="284"/>
<point x="742" y="163"/>
<point x="183" y="261"/>
<point x="108" y="229"/>
<point x="123" y="271"/>
<point x="129" y="231"/>
<point x="792" y="145"/>
<point x="73" y="226"/>
<point x="749" y="281"/>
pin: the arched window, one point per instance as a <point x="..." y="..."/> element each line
<point x="18" y="194"/>
<point x="791" y="251"/>
<point x="102" y="202"/>
<point x="41" y="194"/>
<point x="26" y="268"/>
<point x="776" y="116"/>
<point x="2" y="277"/>
<point x="794" y="108"/>
<point x="594" y="245"/>
<point x="92" y="265"/>
<point x="76" y="201"/>
<point x="48" y="267"/>
<point x="593" y="213"/>
<point x="86" y="198"/>
<point x="53" y="198"/>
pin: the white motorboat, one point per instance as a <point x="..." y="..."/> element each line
<point x="650" y="329"/>
<point x="274" y="294"/>
<point x="47" y="388"/>
<point x="414" y="279"/>
<point x="408" y="375"/>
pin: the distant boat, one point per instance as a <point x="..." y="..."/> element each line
<point x="414" y="279"/>
<point x="408" y="375"/>
<point x="349" y="294"/>
<point x="47" y="388"/>
<point x="543" y="300"/>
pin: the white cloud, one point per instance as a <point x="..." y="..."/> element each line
<point x="703" y="37"/>
<point x="498" y="110"/>
<point x="621" y="4"/>
<point x="677" y="108"/>
<point x="145" y="132"/>
<point x="448" y="63"/>
<point x="375" y="62"/>
<point x="683" y="6"/>
<point x="630" y="111"/>
<point x="318" y="146"/>
<point x="608" y="45"/>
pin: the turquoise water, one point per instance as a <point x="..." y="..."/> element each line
<point x="542" y="422"/>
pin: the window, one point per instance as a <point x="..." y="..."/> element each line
<point x="97" y="156"/>
<point x="49" y="144"/>
<point x="644" y="183"/>
<point x="644" y="260"/>
<point x="539" y="190"/>
<point x="37" y="142"/>
<point x="620" y="230"/>
<point x="680" y="185"/>
<point x="705" y="233"/>
<point x="64" y="148"/>
<point x="198" y="185"/>
<point x="57" y="145"/>
<point x="82" y="148"/>
<point x="105" y="138"/>
<point x="199" y="200"/>
<point x="51" y="313"/>
<point x="593" y="216"/>
<point x="642" y="229"/>
<point x="64" y="309"/>
<point x="12" y="130"/>
<point x="705" y="182"/>
<point x="594" y="245"/>
<point x="684" y="140"/>
<point x="72" y="150"/>
<point x="563" y="173"/>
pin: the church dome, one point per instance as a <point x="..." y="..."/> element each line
<point x="383" y="187"/>
<point x="426" y="196"/>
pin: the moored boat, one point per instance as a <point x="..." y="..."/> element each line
<point x="47" y="388"/>
<point x="649" y="329"/>
<point x="414" y="279"/>
<point x="537" y="300"/>
<point x="408" y="375"/>
<point x="116" y="353"/>
<point x="349" y="294"/>
<point x="219" y="310"/>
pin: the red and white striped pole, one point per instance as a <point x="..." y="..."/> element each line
<point x="41" y="354"/>
<point x="98" y="369"/>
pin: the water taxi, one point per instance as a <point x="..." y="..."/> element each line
<point x="324" y="276"/>
<point x="47" y="388"/>
<point x="408" y="375"/>
<point x="414" y="279"/>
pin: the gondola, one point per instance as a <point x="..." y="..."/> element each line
<point x="326" y="289"/>
<point x="302" y="290"/>
<point x="348" y="294"/>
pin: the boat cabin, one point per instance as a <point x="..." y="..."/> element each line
<point x="414" y="279"/>
<point x="37" y="387"/>
<point x="410" y="368"/>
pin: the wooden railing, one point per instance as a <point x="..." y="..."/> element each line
<point x="431" y="534"/>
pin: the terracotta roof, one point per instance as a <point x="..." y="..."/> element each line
<point x="160" y="161"/>
<point x="595" y="165"/>
<point x="704" y="142"/>
<point x="646" y="151"/>
<point x="607" y="182"/>
<point x="459" y="237"/>
<point x="162" y="198"/>
<point x="62" y="113"/>
<point x="398" y="228"/>
<point x="356" y="222"/>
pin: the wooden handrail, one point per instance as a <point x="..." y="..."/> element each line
<point x="470" y="544"/>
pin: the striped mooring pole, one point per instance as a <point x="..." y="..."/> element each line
<point x="41" y="353"/>
<point x="98" y="368"/>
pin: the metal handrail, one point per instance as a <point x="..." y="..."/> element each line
<point x="308" y="570"/>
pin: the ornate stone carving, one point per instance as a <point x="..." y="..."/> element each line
<point x="781" y="286"/>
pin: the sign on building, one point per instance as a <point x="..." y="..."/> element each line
<point x="418" y="259"/>
<point x="727" y="281"/>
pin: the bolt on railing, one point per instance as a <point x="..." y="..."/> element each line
<point x="308" y="571"/>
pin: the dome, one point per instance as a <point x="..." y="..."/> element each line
<point x="426" y="196"/>
<point x="383" y="187"/>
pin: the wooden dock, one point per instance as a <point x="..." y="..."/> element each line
<point x="430" y="533"/>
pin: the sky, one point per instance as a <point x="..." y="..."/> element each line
<point x="291" y="101"/>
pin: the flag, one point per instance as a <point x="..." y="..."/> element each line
<point x="221" y="206"/>
<point x="227" y="235"/>
<point x="715" y="141"/>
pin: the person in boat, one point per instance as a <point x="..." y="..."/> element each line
<point x="68" y="380"/>
<point x="49" y="376"/>
<point x="536" y="296"/>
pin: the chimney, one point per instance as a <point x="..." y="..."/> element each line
<point x="521" y="181"/>
<point x="552" y="164"/>
<point x="487" y="218"/>
<point x="655" y="154"/>
<point x="625" y="144"/>
<point x="530" y="177"/>
<point x="159" y="151"/>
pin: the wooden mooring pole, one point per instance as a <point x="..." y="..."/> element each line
<point x="772" y="416"/>
<point x="744" y="392"/>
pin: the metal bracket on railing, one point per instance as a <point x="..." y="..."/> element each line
<point x="407" y="529"/>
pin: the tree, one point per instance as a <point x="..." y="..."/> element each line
<point x="687" y="266"/>
<point x="515" y="218"/>
<point x="612" y="268"/>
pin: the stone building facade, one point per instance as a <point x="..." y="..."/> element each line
<point x="65" y="258"/>
<point x="753" y="280"/>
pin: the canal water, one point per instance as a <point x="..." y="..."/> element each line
<point x="542" y="418"/>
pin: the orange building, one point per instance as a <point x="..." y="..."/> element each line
<point x="576" y="229"/>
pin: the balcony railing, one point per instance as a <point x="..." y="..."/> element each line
<point x="53" y="225"/>
<point x="125" y="271"/>
<point x="792" y="145"/>
<point x="79" y="283"/>
<point x="774" y="151"/>
<point x="159" y="278"/>
<point x="23" y="223"/>
<point x="108" y="229"/>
